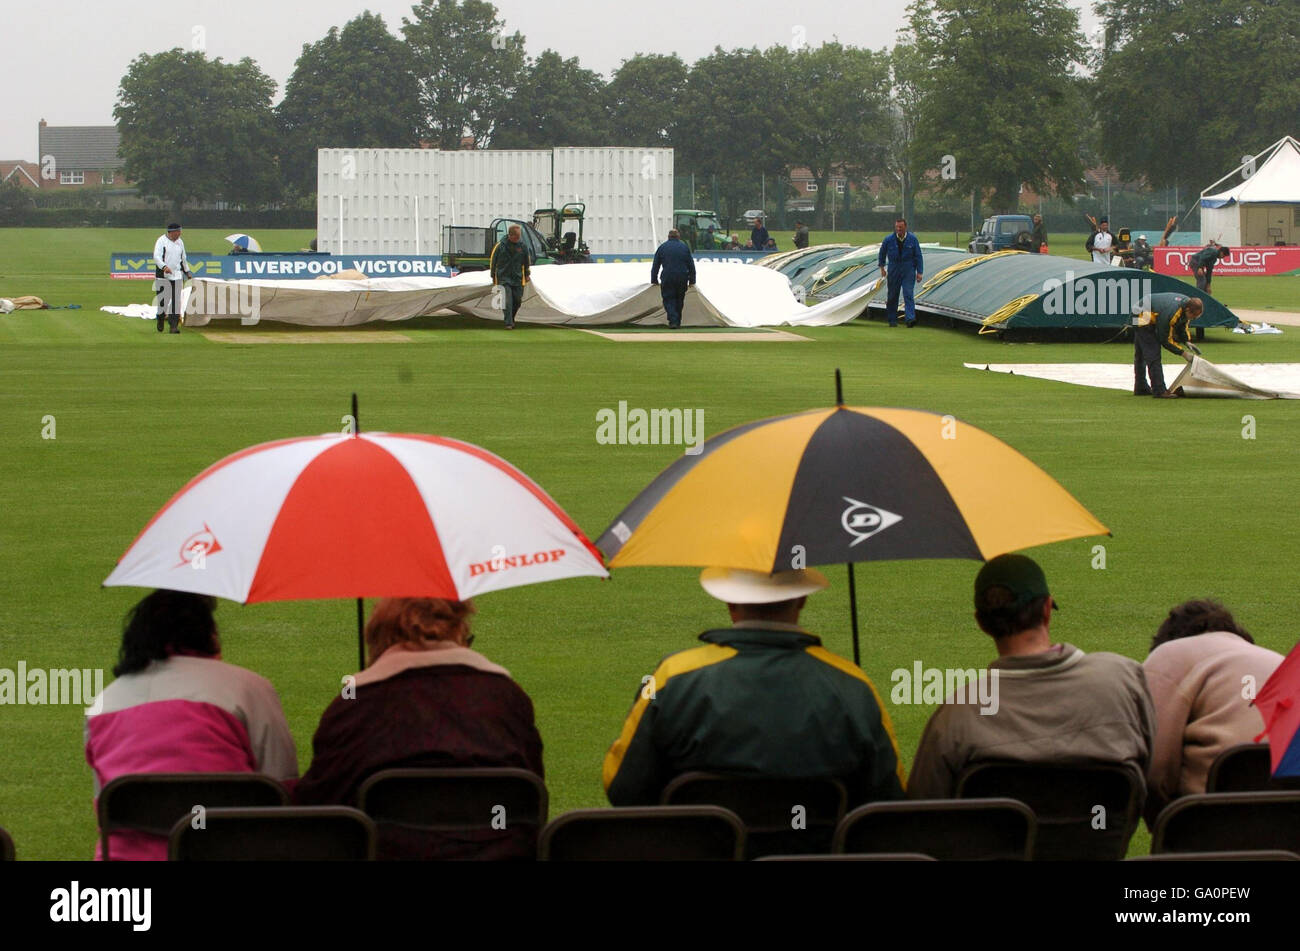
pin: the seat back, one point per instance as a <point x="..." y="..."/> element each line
<point x="852" y="857"/>
<point x="455" y="813"/>
<point x="1258" y="855"/>
<point x="781" y="816"/>
<point x="1085" y="811"/>
<point x="944" y="829"/>
<point x="1247" y="767"/>
<point x="153" y="802"/>
<point x="644" y="833"/>
<point x="281" y="834"/>
<point x="1223" y="822"/>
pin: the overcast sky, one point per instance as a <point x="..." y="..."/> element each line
<point x="65" y="67"/>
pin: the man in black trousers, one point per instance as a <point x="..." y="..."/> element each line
<point x="674" y="258"/>
<point x="1165" y="322"/>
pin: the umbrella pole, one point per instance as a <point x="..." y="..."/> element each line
<point x="361" y="635"/>
<point x="853" y="613"/>
<point x="361" y="609"/>
<point x="853" y="590"/>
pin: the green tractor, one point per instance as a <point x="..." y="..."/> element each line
<point x="693" y="225"/>
<point x="565" y="247"/>
<point x="470" y="249"/>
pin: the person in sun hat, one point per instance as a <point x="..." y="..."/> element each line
<point x="1051" y="701"/>
<point x="760" y="698"/>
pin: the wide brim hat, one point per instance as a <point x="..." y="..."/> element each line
<point x="742" y="586"/>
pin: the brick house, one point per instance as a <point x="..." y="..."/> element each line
<point x="76" y="156"/>
<point x="27" y="174"/>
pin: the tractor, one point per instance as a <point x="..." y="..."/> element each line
<point x="470" y="249"/>
<point x="566" y="247"/>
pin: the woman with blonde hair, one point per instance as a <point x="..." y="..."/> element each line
<point x="427" y="700"/>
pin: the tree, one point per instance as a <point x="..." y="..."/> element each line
<point x="1185" y="89"/>
<point x="839" y="116"/>
<point x="906" y="66"/>
<point x="353" y="88"/>
<point x="14" y="201"/>
<point x="467" y="68"/>
<point x="198" y="129"/>
<point x="1001" y="95"/>
<point x="643" y="97"/>
<point x="558" y="103"/>
<point x="736" y="125"/>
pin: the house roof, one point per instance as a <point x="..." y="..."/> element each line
<point x="16" y="170"/>
<point x="80" y="147"/>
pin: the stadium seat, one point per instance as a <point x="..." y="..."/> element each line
<point x="455" y="813"/>
<point x="280" y="834"/>
<point x="1261" y="855"/>
<point x="7" y="851"/>
<point x="1064" y="798"/>
<point x="1246" y="768"/>
<point x="153" y="802"/>
<point x="644" y="833"/>
<point x="945" y="829"/>
<point x="1229" y="822"/>
<point x="768" y="807"/>
<point x="852" y="857"/>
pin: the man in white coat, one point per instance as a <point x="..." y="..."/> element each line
<point x="170" y="271"/>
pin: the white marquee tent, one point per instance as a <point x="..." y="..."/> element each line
<point x="1264" y="209"/>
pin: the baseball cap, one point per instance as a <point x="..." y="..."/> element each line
<point x="742" y="586"/>
<point x="1018" y="574"/>
<point x="174" y="226"/>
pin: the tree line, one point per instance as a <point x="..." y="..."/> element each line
<point x="977" y="98"/>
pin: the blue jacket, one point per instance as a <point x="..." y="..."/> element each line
<point x="674" y="256"/>
<point x="897" y="260"/>
<point x="758" y="238"/>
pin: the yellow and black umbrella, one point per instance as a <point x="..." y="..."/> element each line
<point x="844" y="484"/>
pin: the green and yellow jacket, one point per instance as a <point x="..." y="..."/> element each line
<point x="509" y="263"/>
<point x="761" y="699"/>
<point x="1171" y="321"/>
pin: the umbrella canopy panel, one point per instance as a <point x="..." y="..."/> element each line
<point x="371" y="515"/>
<point x="843" y="485"/>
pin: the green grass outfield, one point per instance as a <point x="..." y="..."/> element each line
<point x="1196" y="509"/>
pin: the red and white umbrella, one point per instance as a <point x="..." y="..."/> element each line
<point x="365" y="515"/>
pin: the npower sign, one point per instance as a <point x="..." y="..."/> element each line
<point x="1285" y="260"/>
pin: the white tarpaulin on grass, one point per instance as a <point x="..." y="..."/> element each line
<point x="1250" y="381"/>
<point x="727" y="295"/>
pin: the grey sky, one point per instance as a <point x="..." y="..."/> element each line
<point x="66" y="68"/>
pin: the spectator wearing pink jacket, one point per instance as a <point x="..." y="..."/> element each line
<point x="176" y="707"/>
<point x="1203" y="671"/>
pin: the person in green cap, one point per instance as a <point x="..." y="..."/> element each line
<point x="1052" y="701"/>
